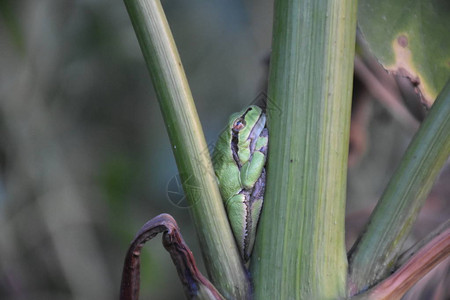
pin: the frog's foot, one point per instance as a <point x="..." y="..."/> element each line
<point x="244" y="216"/>
<point x="237" y="209"/>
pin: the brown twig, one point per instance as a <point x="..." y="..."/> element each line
<point x="194" y="283"/>
<point x="405" y="256"/>
<point x="423" y="261"/>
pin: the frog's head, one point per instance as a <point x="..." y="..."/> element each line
<point x="246" y="127"/>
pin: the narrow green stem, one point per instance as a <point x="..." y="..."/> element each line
<point x="375" y="254"/>
<point x="189" y="147"/>
<point x="300" y="252"/>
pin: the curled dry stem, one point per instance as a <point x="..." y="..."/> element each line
<point x="194" y="283"/>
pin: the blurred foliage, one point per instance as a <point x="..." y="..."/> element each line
<point x="90" y="85"/>
<point x="84" y="155"/>
<point x="11" y="23"/>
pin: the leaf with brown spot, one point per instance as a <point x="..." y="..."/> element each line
<point x="410" y="38"/>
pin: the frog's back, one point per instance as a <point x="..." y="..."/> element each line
<point x="225" y="167"/>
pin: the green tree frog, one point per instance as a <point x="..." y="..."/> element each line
<point x="239" y="160"/>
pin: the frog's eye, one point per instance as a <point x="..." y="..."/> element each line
<point x="238" y="124"/>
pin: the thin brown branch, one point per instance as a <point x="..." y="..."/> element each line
<point x="423" y="261"/>
<point x="405" y="256"/>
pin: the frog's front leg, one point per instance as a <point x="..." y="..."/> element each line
<point x="253" y="168"/>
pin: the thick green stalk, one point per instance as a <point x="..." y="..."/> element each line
<point x="374" y="255"/>
<point x="189" y="147"/>
<point x="300" y="252"/>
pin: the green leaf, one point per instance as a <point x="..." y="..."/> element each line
<point x="410" y="38"/>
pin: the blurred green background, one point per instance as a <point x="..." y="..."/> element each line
<point x="84" y="156"/>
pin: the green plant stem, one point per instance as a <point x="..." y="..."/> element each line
<point x="374" y="255"/>
<point x="300" y="252"/>
<point x="189" y="147"/>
